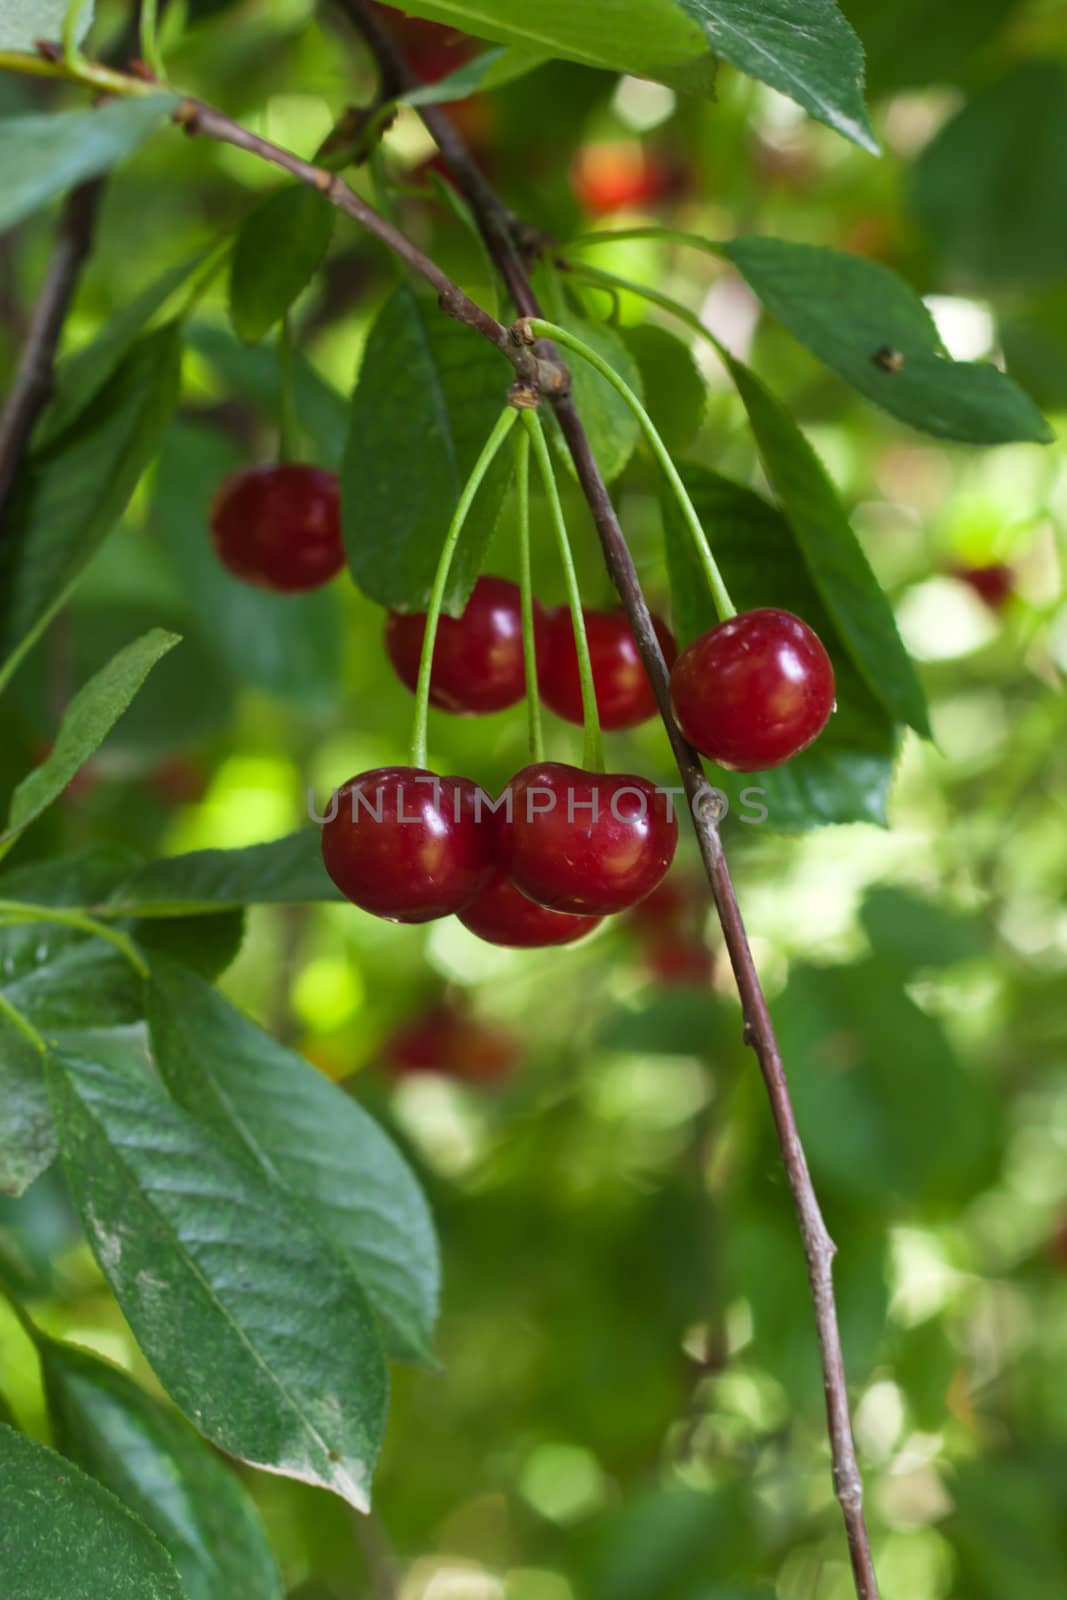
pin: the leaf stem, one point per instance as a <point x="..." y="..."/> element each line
<point x="16" y="912"/>
<point x="529" y="636"/>
<point x="505" y="422"/>
<point x="72" y="54"/>
<point x="22" y="1023"/>
<point x="150" y="47"/>
<point x="593" y="753"/>
<point x="721" y="595"/>
<point x="22" y="1316"/>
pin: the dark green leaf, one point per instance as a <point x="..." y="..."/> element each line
<point x="803" y="48"/>
<point x="832" y="554"/>
<point x="278" y="251"/>
<point x="208" y="944"/>
<point x="674" y="390"/>
<point x="915" y="931"/>
<point x="911" y="43"/>
<point x="89" y="718"/>
<point x="1008" y="1519"/>
<point x="665" y="1537"/>
<point x="218" y="1273"/>
<point x="287" y="644"/>
<point x="27" y="1136"/>
<point x="62" y="1534"/>
<point x="863" y="321"/>
<point x="43" y="156"/>
<point x="1033" y="337"/>
<point x="429" y="392"/>
<point x="988" y="189"/>
<point x="157" y="1466"/>
<point x="252" y="373"/>
<point x="612" y="428"/>
<point x="286" y="871"/>
<point x="845" y="776"/>
<point x="313" y="1140"/>
<point x="23" y="22"/>
<point x="75" y="490"/>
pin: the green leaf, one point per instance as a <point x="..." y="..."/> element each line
<point x="277" y="252"/>
<point x="62" y="1534"/>
<point x="911" y="43"/>
<point x="286" y="871"/>
<point x="429" y="392"/>
<point x="76" y="488"/>
<point x="157" y="1466"/>
<point x="252" y="373"/>
<point x="492" y="69"/>
<point x="612" y="428"/>
<point x="80" y="376"/>
<point x="845" y="776"/>
<point x="674" y="390"/>
<point x="803" y="48"/>
<point x="312" y="1140"/>
<point x="44" y="156"/>
<point x="27" y="1135"/>
<point x="88" y="719"/>
<point x="289" y="645"/>
<point x="217" y="1272"/>
<point x="988" y="188"/>
<point x="208" y="944"/>
<point x="832" y="554"/>
<point x="850" y="312"/>
<point x="23" y="22"/>
<point x="915" y="931"/>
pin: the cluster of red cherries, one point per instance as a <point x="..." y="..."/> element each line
<point x="561" y="847"/>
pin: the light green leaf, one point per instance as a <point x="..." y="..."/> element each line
<point x="846" y="774"/>
<point x="23" y="22"/>
<point x="429" y="392"/>
<point x="867" y="325"/>
<point x="74" y="490"/>
<point x="310" y="1138"/>
<point x="157" y="1466"/>
<point x="44" y="156"/>
<point x="674" y="390"/>
<point x="490" y="70"/>
<point x="277" y="252"/>
<point x="62" y="1534"/>
<point x="27" y="1136"/>
<point x="218" y="1273"/>
<point x="612" y="428"/>
<point x="832" y="554"/>
<point x="286" y="871"/>
<point x="89" y="718"/>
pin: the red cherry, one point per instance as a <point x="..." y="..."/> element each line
<point x="665" y="910"/>
<point x="612" y="176"/>
<point x="501" y="915"/>
<point x="279" y="527"/>
<point x="993" y="583"/>
<point x="443" y="1040"/>
<point x="754" y="691"/>
<point x="678" y="962"/>
<point x="406" y="845"/>
<point x="623" y="692"/>
<point x="477" y="658"/>
<point x="585" y="842"/>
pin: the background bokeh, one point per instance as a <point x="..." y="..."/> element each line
<point x="629" y="1405"/>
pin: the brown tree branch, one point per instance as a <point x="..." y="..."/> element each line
<point x="32" y="388"/>
<point x="502" y="236"/>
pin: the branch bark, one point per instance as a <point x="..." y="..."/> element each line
<point x="32" y="387"/>
<point x="502" y="234"/>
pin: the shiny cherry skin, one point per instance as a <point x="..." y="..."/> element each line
<point x="623" y="692"/>
<point x="446" y="1041"/>
<point x="753" y="691"/>
<point x="502" y="915"/>
<point x="994" y="583"/>
<point x="589" y="843"/>
<point x="279" y="527"/>
<point x="478" y="662"/>
<point x="406" y="845"/>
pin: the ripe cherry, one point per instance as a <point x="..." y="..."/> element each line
<point x="444" y="1040"/>
<point x="611" y="177"/>
<point x="406" y="845"/>
<point x="623" y="692"/>
<point x="477" y="659"/>
<point x="502" y="915"/>
<point x="994" y="583"/>
<point x="279" y="527"/>
<point x="585" y="842"/>
<point x="677" y="962"/>
<point x="753" y="691"/>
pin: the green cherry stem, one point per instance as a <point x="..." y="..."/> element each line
<point x="288" y="420"/>
<point x="550" y="330"/>
<point x="529" y="637"/>
<point x="504" y="425"/>
<point x="150" y="48"/>
<point x="593" y="752"/>
<point x="72" y="55"/>
<point x="14" y="913"/>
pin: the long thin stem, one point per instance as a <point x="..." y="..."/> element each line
<point x="14" y="913"/>
<point x="505" y="422"/>
<point x="529" y="634"/>
<point x="22" y="1024"/>
<point x="551" y="330"/>
<point x="150" y="47"/>
<point x="593" y="753"/>
<point x="288" y="418"/>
